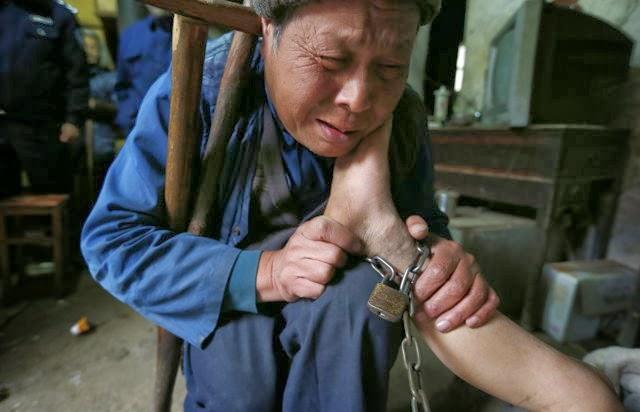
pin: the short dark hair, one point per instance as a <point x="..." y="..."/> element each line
<point x="280" y="12"/>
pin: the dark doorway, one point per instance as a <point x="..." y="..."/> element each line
<point x="447" y="33"/>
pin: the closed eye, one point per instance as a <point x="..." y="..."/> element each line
<point x="333" y="62"/>
<point x="392" y="71"/>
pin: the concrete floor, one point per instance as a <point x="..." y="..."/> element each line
<point x="44" y="368"/>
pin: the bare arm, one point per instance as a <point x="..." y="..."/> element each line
<point x="500" y="357"/>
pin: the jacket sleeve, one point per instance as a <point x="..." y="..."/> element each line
<point x="76" y="73"/>
<point x="176" y="280"/>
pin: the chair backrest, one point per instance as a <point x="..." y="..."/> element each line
<point x="189" y="39"/>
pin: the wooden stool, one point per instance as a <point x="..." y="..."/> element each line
<point x="53" y="205"/>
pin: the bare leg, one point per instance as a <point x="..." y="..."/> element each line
<point x="499" y="358"/>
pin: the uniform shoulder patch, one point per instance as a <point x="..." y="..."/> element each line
<point x="67" y="6"/>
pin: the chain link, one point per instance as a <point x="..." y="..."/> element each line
<point x="383" y="267"/>
<point x="411" y="356"/>
<point x="412" y="359"/>
<point x="413" y="270"/>
<point x="413" y="364"/>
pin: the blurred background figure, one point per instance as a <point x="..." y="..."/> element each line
<point x="44" y="93"/>
<point x="144" y="52"/>
<point x="101" y="132"/>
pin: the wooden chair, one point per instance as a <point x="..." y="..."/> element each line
<point x="189" y="38"/>
<point x="17" y="207"/>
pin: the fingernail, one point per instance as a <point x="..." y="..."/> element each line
<point x="419" y="227"/>
<point x="443" y="325"/>
<point x="473" y="321"/>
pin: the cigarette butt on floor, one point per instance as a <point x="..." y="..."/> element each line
<point x="80" y="327"/>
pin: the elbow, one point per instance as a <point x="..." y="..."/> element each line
<point x="599" y="394"/>
<point x="593" y="395"/>
<point x="605" y="402"/>
<point x="100" y="247"/>
<point x="99" y="239"/>
<point x="603" y="397"/>
<point x="90" y="248"/>
<point x="596" y="400"/>
<point x="572" y="386"/>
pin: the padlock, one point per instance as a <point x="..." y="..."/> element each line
<point x="387" y="302"/>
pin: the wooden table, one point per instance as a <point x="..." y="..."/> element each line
<point x="569" y="176"/>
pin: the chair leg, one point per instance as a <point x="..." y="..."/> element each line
<point x="189" y="41"/>
<point x="5" y="267"/>
<point x="16" y="257"/>
<point x="58" y="251"/>
<point x="167" y="361"/>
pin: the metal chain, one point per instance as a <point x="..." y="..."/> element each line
<point x="413" y="270"/>
<point x="413" y="364"/>
<point x="412" y="359"/>
<point x="387" y="271"/>
<point x="383" y="267"/>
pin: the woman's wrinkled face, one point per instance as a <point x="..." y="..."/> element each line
<point x="338" y="69"/>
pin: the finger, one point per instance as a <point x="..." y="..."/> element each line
<point x="439" y="268"/>
<point x="417" y="227"/>
<point x="486" y="312"/>
<point x="326" y="253"/>
<point x="316" y="271"/>
<point x="328" y="230"/>
<point x="304" y="288"/>
<point x="455" y="289"/>
<point x="475" y="299"/>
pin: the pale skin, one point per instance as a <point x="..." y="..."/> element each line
<point x="68" y="132"/>
<point x="335" y="77"/>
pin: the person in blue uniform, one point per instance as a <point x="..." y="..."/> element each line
<point x="144" y="53"/>
<point x="44" y="91"/>
<point x="102" y="105"/>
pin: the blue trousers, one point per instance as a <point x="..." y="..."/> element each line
<point x="35" y="149"/>
<point x="329" y="354"/>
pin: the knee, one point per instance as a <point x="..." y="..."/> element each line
<point x="344" y="301"/>
<point x="348" y="295"/>
<point x="347" y="300"/>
